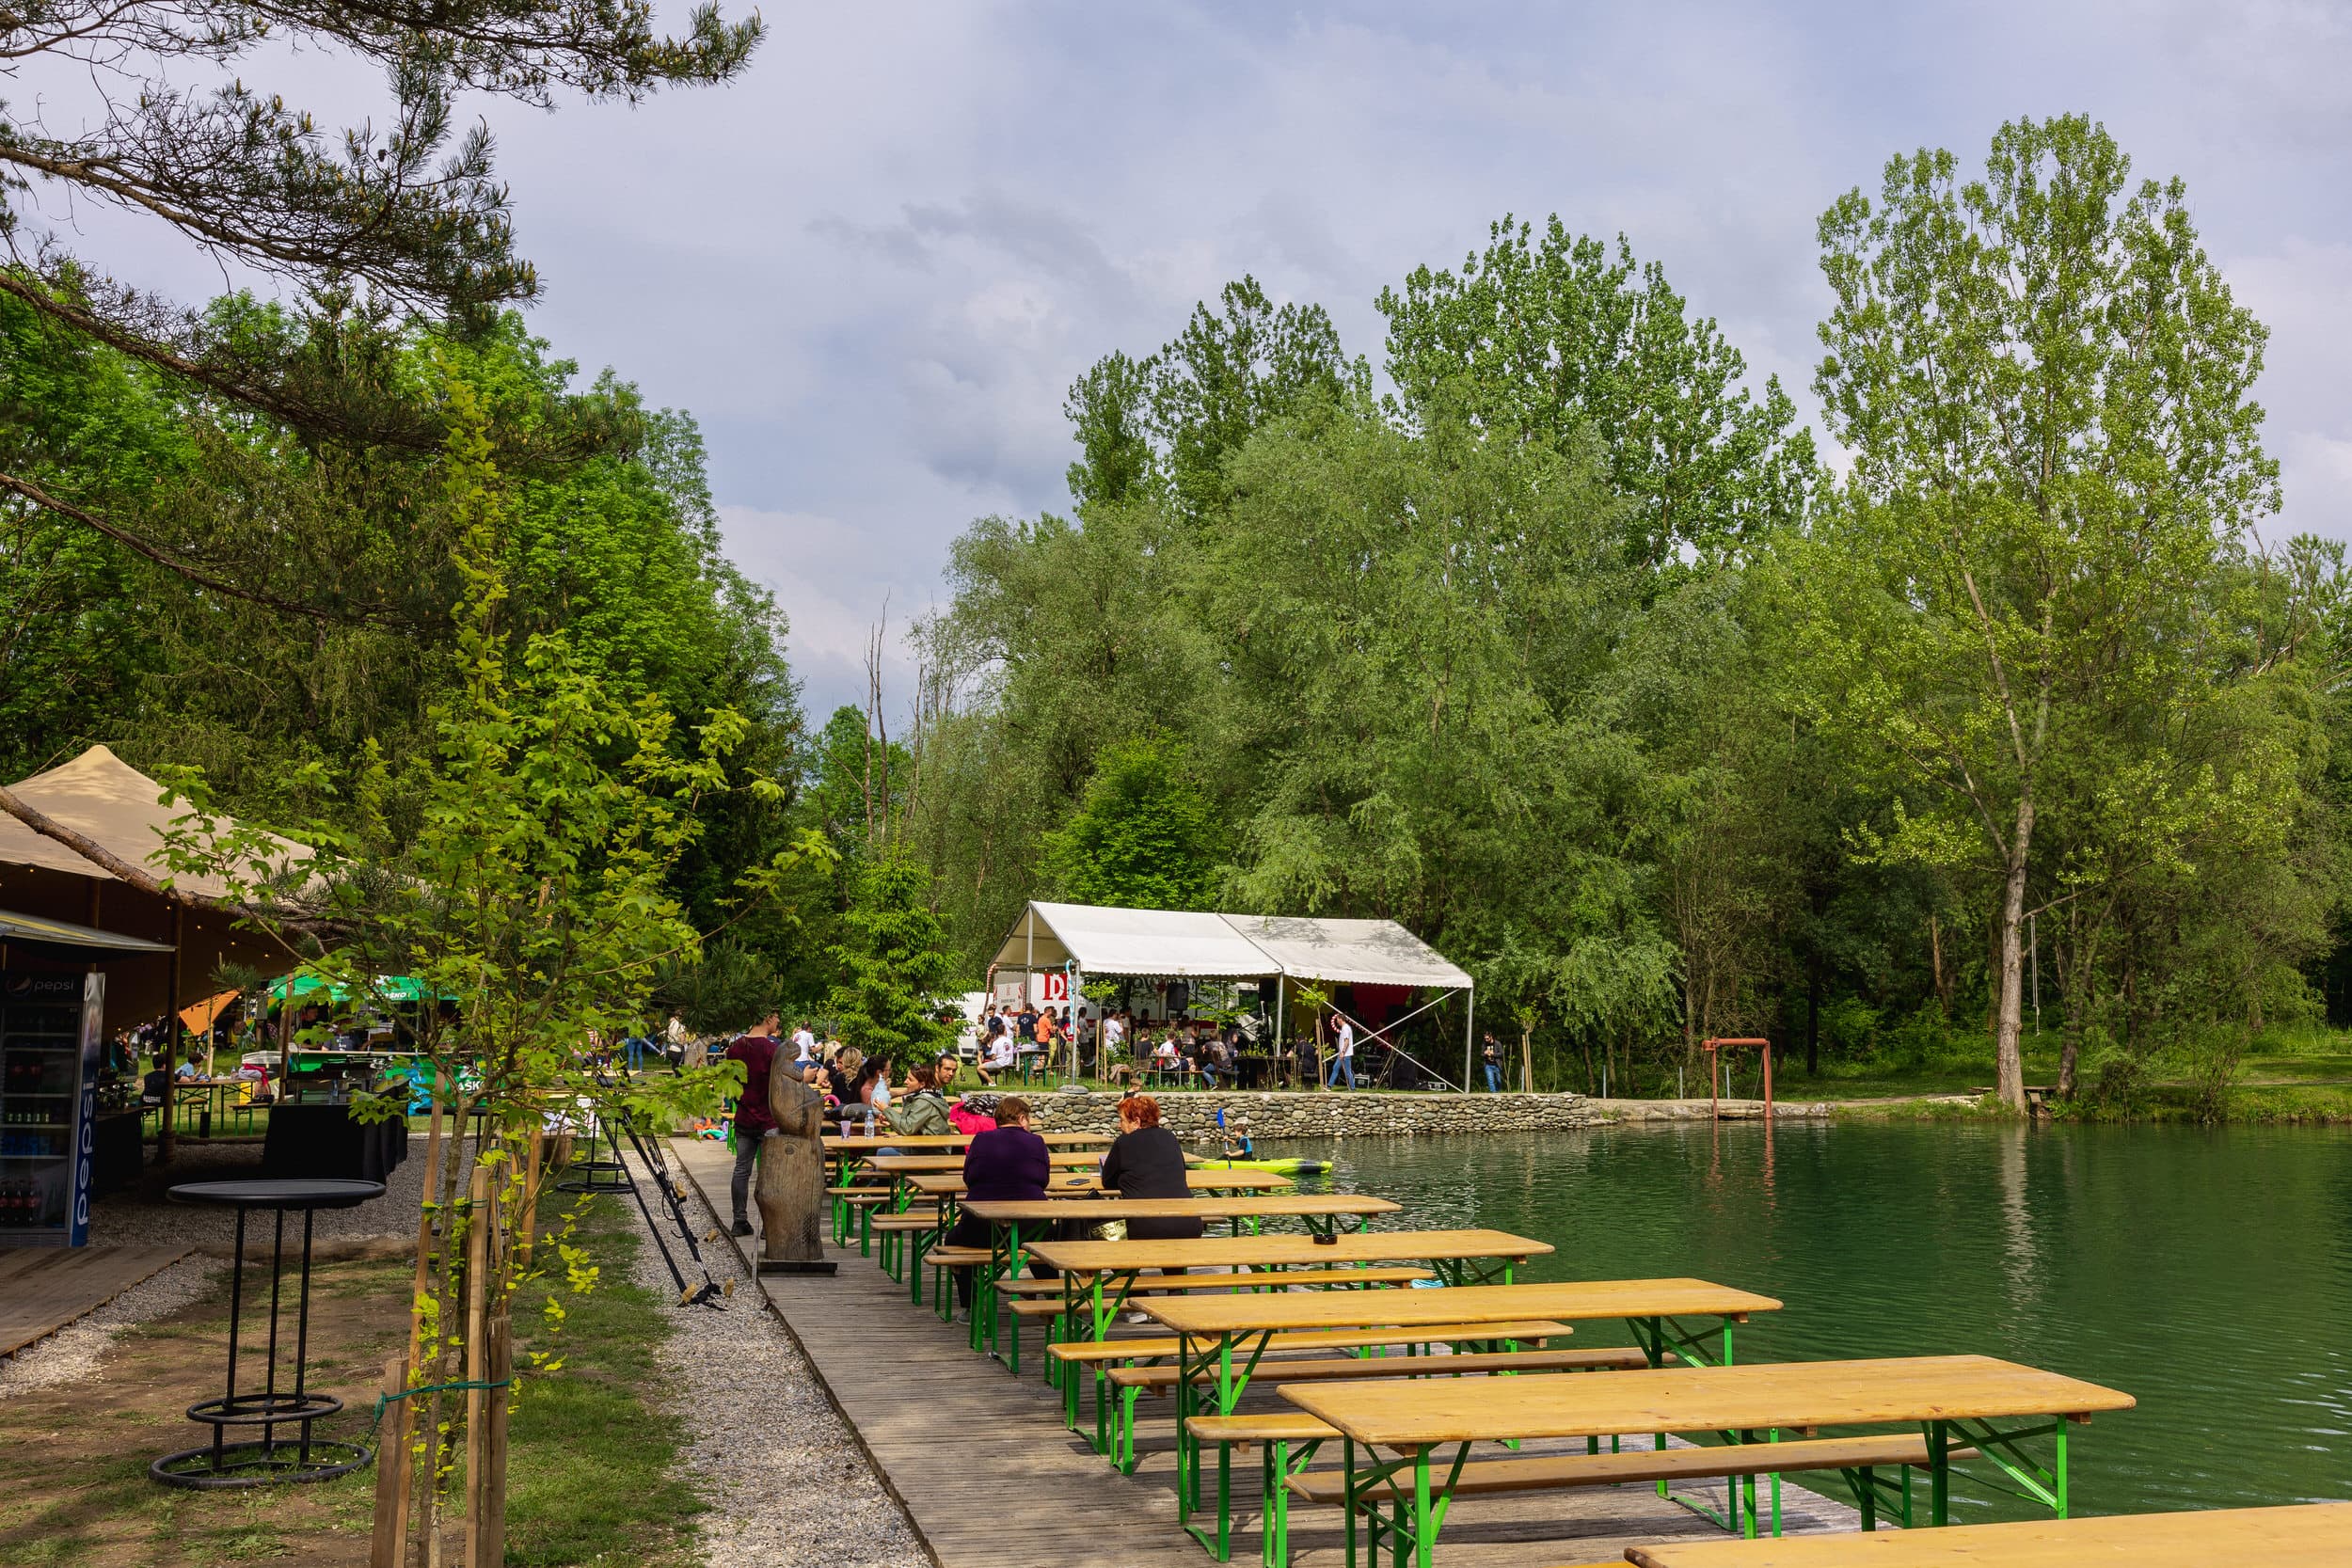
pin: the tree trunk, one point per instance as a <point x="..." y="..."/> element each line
<point x="1935" y="957"/>
<point x="1813" y="1014"/>
<point x="1527" y="1058"/>
<point x="2008" y="1014"/>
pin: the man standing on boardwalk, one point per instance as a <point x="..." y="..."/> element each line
<point x="756" y="1050"/>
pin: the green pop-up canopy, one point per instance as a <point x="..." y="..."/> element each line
<point x="387" y="987"/>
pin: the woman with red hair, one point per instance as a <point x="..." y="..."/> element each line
<point x="1146" y="1161"/>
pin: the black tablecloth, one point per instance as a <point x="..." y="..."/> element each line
<point x="114" y="1150"/>
<point x="323" y="1141"/>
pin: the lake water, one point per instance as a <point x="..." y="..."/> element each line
<point x="2208" y="1274"/>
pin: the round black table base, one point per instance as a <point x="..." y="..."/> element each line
<point x="264" y="1410"/>
<point x="270" y="1459"/>
<point x="596" y="1175"/>
<point x="260" y="1464"/>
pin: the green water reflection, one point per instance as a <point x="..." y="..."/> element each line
<point x="2209" y="1274"/>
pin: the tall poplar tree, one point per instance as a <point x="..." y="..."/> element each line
<point x="2046" y="387"/>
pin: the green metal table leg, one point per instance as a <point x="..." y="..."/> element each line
<point x="1939" y="1475"/>
<point x="1424" y="1518"/>
<point x="1347" y="1495"/>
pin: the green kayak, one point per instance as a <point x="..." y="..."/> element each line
<point x="1281" y="1166"/>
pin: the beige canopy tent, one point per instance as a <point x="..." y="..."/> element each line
<point x="101" y="797"/>
<point x="1094" y="939"/>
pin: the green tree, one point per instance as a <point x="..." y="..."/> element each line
<point x="2045" y="384"/>
<point x="534" y="891"/>
<point x="1556" y="340"/>
<point x="1142" y="837"/>
<point x="896" y="972"/>
<point x="411" y="210"/>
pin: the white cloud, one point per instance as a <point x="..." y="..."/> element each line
<point x="872" y="268"/>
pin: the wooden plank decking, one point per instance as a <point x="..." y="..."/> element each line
<point x="989" y="1475"/>
<point x="43" y="1289"/>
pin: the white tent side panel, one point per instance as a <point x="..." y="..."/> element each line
<point x="1348" y="952"/>
<point x="1106" y="941"/>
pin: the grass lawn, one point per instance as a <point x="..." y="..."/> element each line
<point x="590" y="1470"/>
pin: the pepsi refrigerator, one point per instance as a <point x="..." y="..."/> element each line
<point x="50" y="1036"/>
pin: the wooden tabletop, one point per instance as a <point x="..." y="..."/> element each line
<point x="1286" y="1252"/>
<point x="2303" y="1536"/>
<point x="1699" y="1399"/>
<point x="1025" y="1211"/>
<point x="861" y="1143"/>
<point x="1067" y="1185"/>
<point x="1209" y="1317"/>
<point x="934" y="1164"/>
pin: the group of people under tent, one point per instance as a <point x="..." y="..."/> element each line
<point x="1186" y="1053"/>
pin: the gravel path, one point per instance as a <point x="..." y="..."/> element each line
<point x="75" y="1351"/>
<point x="786" y="1480"/>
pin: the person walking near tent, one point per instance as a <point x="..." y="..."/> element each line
<point x="756" y="1050"/>
<point x="1344" y="1057"/>
<point x="1490" y="1056"/>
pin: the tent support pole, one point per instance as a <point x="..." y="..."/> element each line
<point x="1470" y="1030"/>
<point x="1281" y="984"/>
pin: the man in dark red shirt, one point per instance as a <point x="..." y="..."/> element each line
<point x="756" y="1050"/>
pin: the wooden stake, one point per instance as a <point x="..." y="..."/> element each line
<point x="388" y="1544"/>
<point x="477" y="1269"/>
<point x="403" y="1463"/>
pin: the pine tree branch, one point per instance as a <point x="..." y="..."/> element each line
<point x="171" y="563"/>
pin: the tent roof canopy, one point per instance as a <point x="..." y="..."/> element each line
<point x="1183" y="943"/>
<point x="100" y="795"/>
<point x="1348" y="952"/>
<point x="64" y="939"/>
<point x="1105" y="941"/>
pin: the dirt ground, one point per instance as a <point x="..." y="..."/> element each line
<point x="73" y="1482"/>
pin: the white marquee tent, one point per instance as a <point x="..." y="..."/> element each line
<point x="1080" y="940"/>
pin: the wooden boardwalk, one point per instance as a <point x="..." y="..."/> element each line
<point x="43" y="1289"/>
<point x="990" y="1476"/>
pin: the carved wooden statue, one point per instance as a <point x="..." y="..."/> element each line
<point x="791" y="1190"/>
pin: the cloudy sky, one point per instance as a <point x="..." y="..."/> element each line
<point x="872" y="268"/>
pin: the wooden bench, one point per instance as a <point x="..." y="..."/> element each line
<point x="1262" y="1279"/>
<point x="1628" y="1360"/>
<point x="1116" y="1386"/>
<point x="1858" y="1456"/>
<point x="851" y="1205"/>
<point x="1292" y="1436"/>
<point x="1043" y="1298"/>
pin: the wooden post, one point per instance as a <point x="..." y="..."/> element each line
<point x="163" y="1139"/>
<point x="477" y="1266"/>
<point x="388" y="1544"/>
<point x="394" y="1464"/>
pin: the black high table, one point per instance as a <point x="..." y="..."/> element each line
<point x="267" y="1460"/>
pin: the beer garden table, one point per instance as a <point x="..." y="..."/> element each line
<point x="1231" y="1333"/>
<point x="1320" y="1213"/>
<point x="1459" y="1258"/>
<point x="1957" y="1401"/>
<point x="2305" y="1535"/>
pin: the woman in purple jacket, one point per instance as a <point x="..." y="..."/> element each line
<point x="1008" y="1165"/>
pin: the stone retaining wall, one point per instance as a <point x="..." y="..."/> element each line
<point x="1192" y="1115"/>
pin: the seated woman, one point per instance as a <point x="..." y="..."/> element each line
<point x="861" y="1079"/>
<point x="1007" y="1165"/>
<point x="1146" y="1161"/>
<point x="922" y="1111"/>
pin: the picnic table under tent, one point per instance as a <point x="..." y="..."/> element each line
<point x="1082" y="941"/>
